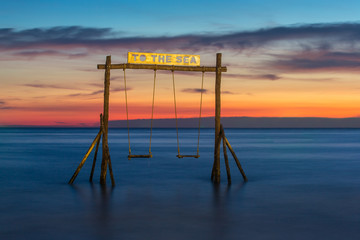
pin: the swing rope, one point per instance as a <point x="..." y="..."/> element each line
<point x="176" y="118"/>
<point x="152" y="111"/>
<point x="201" y="96"/>
<point x="127" y="112"/>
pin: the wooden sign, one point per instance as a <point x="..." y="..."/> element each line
<point x="164" y="59"/>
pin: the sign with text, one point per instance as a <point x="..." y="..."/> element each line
<point x="164" y="59"/>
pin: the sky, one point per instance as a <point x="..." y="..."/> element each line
<point x="284" y="58"/>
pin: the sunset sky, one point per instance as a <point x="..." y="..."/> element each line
<point x="284" y="58"/>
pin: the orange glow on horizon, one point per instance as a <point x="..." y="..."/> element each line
<point x="75" y="97"/>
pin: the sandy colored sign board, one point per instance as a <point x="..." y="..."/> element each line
<point x="164" y="59"/>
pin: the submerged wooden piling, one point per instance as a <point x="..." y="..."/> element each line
<point x="225" y="155"/>
<point x="235" y="158"/>
<point x="110" y="168"/>
<point x="94" y="161"/>
<point x="96" y="150"/>
<point x="85" y="157"/>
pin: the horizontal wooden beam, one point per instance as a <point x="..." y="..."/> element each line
<point x="162" y="67"/>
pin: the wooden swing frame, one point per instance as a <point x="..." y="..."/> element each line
<point x="104" y="119"/>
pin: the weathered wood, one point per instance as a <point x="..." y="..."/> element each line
<point x="140" y="156"/>
<point x="185" y="156"/>
<point x="235" y="158"/>
<point x="96" y="150"/>
<point x="213" y="168"/>
<point x="110" y="167"/>
<point x="217" y="118"/>
<point x="225" y="155"/>
<point x="215" y="175"/>
<point x="105" y="158"/>
<point x="94" y="161"/>
<point x="218" y="141"/>
<point x="84" y="158"/>
<point x="162" y="67"/>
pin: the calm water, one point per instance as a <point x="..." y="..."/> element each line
<point x="303" y="184"/>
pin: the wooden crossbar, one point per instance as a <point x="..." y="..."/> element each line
<point x="162" y="67"/>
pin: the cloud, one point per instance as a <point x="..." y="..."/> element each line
<point x="309" y="64"/>
<point x="195" y="90"/>
<point x="11" y="38"/>
<point x="116" y="78"/>
<point x="312" y="79"/>
<point x="326" y="35"/>
<point x="7" y="108"/>
<point x="271" y="77"/>
<point x="41" y="85"/>
<point x="40" y="52"/>
<point x="318" y="61"/>
<point x="86" y="94"/>
<point x="97" y="92"/>
<point x="227" y="92"/>
<point x="304" y="47"/>
<point x="120" y="89"/>
<point x="4" y="106"/>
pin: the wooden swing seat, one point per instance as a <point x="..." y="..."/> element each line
<point x="182" y="156"/>
<point x="139" y="156"/>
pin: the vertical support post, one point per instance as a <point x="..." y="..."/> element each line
<point x="216" y="170"/>
<point x="105" y="156"/>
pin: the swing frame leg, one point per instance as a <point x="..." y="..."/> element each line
<point x="225" y="155"/>
<point x="84" y="158"/>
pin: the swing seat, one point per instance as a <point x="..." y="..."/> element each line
<point x="176" y="118"/>
<point x="139" y="156"/>
<point x="182" y="156"/>
<point x="130" y="156"/>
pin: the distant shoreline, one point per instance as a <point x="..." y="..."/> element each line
<point x="228" y="122"/>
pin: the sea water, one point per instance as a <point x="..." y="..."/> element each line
<point x="303" y="184"/>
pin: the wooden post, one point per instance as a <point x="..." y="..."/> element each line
<point x="217" y="119"/>
<point x="96" y="150"/>
<point x="235" y="158"/>
<point x="225" y="154"/>
<point x="84" y="158"/>
<point x="105" y="157"/>
<point x="110" y="168"/>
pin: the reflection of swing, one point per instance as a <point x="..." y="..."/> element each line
<point x="151" y="124"/>
<point x="176" y="118"/>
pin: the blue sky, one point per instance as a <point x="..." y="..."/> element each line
<point x="284" y="58"/>
<point x="154" y="18"/>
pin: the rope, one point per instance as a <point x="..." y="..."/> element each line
<point x="152" y="110"/>
<point x="201" y="95"/>
<point x="127" y="112"/>
<point x="176" y="119"/>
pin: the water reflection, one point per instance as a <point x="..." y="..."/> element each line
<point x="97" y="200"/>
<point x="140" y="211"/>
<point x="293" y="193"/>
<point x="223" y="216"/>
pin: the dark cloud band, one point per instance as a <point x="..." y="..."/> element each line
<point x="106" y="37"/>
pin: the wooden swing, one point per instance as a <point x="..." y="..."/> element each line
<point x="151" y="124"/>
<point x="104" y="119"/>
<point x="176" y="118"/>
